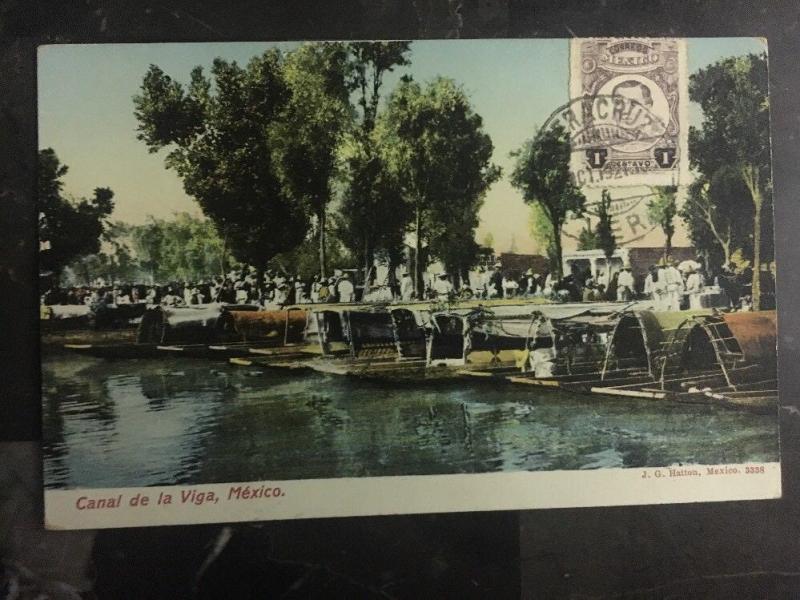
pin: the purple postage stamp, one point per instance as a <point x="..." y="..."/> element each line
<point x="628" y="115"/>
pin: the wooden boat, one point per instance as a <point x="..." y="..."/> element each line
<point x="284" y="360"/>
<point x="69" y="317"/>
<point x="280" y="326"/>
<point x="114" y="351"/>
<point x="53" y="340"/>
<point x="712" y="358"/>
<point x="328" y="330"/>
<point x="167" y="325"/>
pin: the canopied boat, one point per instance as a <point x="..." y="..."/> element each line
<point x="281" y="326"/>
<point x="640" y="337"/>
<point x="327" y="329"/>
<point x="508" y="335"/>
<point x="729" y="358"/>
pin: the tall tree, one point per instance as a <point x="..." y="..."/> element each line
<point x="542" y="233"/>
<point x="662" y="208"/>
<point x="587" y="237"/>
<point x="373" y="215"/>
<point x="370" y="61"/>
<point x="68" y="228"/>
<point x="606" y="240"/>
<point x="314" y="121"/>
<point x="184" y="248"/>
<point x="221" y="139"/>
<point x="542" y="174"/>
<point x="733" y="96"/>
<point x="718" y="213"/>
<point x="441" y="156"/>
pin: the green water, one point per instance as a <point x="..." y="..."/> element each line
<point x="167" y="421"/>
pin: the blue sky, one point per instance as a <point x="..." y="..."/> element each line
<point x="86" y="111"/>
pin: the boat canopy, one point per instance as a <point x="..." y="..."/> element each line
<point x="287" y="326"/>
<point x="755" y="332"/>
<point x="179" y="325"/>
<point x="328" y="329"/>
<point x="409" y="328"/>
<point x="371" y="333"/>
<point x="739" y="345"/>
<point x="641" y="337"/>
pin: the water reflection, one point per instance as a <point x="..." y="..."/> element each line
<point x="150" y="422"/>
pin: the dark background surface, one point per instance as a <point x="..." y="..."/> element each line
<point x="722" y="550"/>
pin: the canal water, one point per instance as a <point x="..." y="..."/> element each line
<point x="182" y="421"/>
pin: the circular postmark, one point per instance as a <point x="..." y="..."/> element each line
<point x="619" y="132"/>
<point x="617" y="119"/>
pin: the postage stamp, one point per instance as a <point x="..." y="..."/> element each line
<point x="630" y="112"/>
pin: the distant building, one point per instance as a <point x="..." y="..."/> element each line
<point x="515" y="265"/>
<point x="639" y="259"/>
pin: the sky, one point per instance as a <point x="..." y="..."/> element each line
<point x="86" y="111"/>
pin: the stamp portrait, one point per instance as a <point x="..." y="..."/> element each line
<point x="632" y="97"/>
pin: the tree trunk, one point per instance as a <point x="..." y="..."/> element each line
<point x="322" y="257"/>
<point x="222" y="257"/>
<point x="756" y="290"/>
<point x="751" y="180"/>
<point x="418" y="288"/>
<point x="726" y="252"/>
<point x="456" y="281"/>
<point x="557" y="247"/>
<point x="667" y="246"/>
<point x="367" y="265"/>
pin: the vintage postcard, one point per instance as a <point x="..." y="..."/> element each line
<point x="290" y="280"/>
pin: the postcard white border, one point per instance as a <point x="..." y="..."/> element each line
<point x="312" y="498"/>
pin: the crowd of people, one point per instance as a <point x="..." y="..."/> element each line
<point x="671" y="285"/>
<point x="237" y="287"/>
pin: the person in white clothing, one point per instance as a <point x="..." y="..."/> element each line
<point x="602" y="279"/>
<point x="345" y="289"/>
<point x="694" y="287"/>
<point x="549" y="283"/>
<point x="673" y="283"/>
<point x="442" y="287"/>
<point x="625" y="284"/>
<point x="509" y="287"/>
<point x="654" y="287"/>
<point x="280" y="295"/>
<point x="406" y="287"/>
<point x="315" y="287"/>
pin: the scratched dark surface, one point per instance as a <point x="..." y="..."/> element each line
<point x="723" y="550"/>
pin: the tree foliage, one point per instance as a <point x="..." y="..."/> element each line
<point x="184" y="248"/>
<point x="68" y="228"/>
<point x="441" y="157"/>
<point x="222" y="144"/>
<point x="718" y="213"/>
<point x="662" y="208"/>
<point x="308" y="134"/>
<point x="373" y="214"/>
<point x="542" y="233"/>
<point x="115" y="261"/>
<point x="733" y="95"/>
<point x="587" y="236"/>
<point x="370" y="61"/>
<point x="542" y="174"/>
